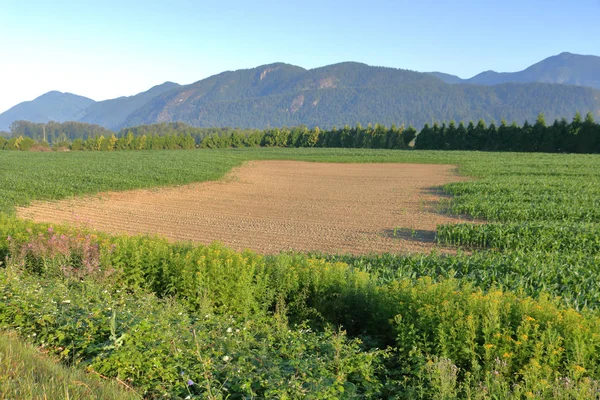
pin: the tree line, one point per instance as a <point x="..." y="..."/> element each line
<point x="581" y="135"/>
<point x="103" y="143"/>
<point x="578" y="136"/>
<point x="25" y="135"/>
<point x="370" y="137"/>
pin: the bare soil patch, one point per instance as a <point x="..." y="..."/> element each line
<point x="272" y="206"/>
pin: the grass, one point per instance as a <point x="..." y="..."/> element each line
<point x="25" y="373"/>
<point x="49" y="176"/>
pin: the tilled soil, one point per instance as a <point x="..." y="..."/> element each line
<point x="272" y="206"/>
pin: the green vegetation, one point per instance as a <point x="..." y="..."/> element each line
<point x="518" y="317"/>
<point x="85" y="136"/>
<point x="26" y="374"/>
<point x="97" y="301"/>
<point x="29" y="176"/>
<point x="575" y="137"/>
<point x="56" y="133"/>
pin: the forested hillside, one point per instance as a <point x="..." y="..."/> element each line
<point x="112" y="113"/>
<point x="279" y="94"/>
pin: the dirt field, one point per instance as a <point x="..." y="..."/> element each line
<point x="270" y="206"/>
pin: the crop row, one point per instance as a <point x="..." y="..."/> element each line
<point x="572" y="277"/>
<point x="546" y="236"/>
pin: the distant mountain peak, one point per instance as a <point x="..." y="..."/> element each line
<point x="347" y="64"/>
<point x="51" y="106"/>
<point x="51" y="93"/>
<point x="564" y="68"/>
<point x="277" y="64"/>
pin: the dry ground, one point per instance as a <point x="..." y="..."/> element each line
<point x="270" y="206"/>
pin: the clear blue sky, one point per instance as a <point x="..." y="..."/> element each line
<point x="104" y="49"/>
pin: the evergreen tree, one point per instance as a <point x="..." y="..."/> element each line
<point x="586" y="137"/>
<point x="408" y="135"/>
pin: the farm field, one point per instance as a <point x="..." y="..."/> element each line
<point x="274" y="206"/>
<point x="515" y="316"/>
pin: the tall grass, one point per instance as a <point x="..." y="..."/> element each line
<point x="25" y="373"/>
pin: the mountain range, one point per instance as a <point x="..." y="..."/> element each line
<point x="565" y="68"/>
<point x="345" y="93"/>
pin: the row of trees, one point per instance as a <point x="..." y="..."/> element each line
<point x="132" y="142"/>
<point x="578" y="136"/>
<point x="103" y="143"/>
<point x="56" y="133"/>
<point x="373" y="137"/>
<point x="377" y="137"/>
<point x="180" y="128"/>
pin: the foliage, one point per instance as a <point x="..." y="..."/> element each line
<point x="575" y="137"/>
<point x="55" y="132"/>
<point x="226" y="312"/>
<point x="549" y="236"/>
<point x="377" y="137"/>
<point x="517" y="317"/>
<point x="163" y="350"/>
<point x="560" y="137"/>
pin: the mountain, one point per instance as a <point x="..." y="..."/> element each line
<point x="347" y="93"/>
<point x="339" y="94"/>
<point x="52" y="106"/>
<point x="565" y="68"/>
<point x="279" y="94"/>
<point x="112" y="113"/>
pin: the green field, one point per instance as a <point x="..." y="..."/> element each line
<point x="514" y="315"/>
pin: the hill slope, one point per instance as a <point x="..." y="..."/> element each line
<point x="112" y="113"/>
<point x="347" y="93"/>
<point x="52" y="106"/>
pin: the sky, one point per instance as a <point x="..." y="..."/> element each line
<point x="106" y="49"/>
